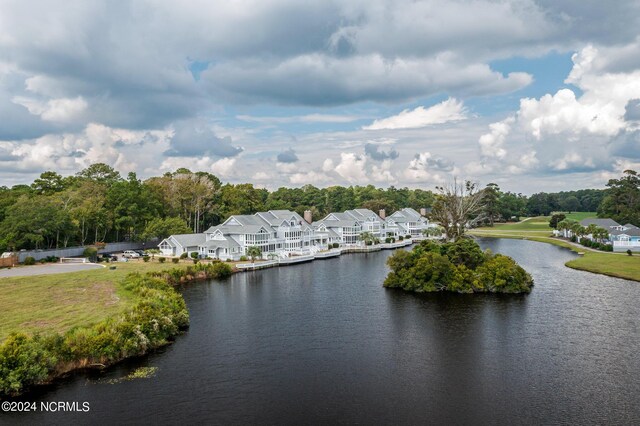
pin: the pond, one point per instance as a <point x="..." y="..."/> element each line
<point x="324" y="342"/>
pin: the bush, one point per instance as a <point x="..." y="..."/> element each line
<point x="175" y="260"/>
<point x="243" y="258"/>
<point x="145" y="258"/>
<point x="162" y="259"/>
<point x="459" y="267"/>
<point x="29" y="261"/>
<point x="400" y="238"/>
<point x="194" y="255"/>
<point x="387" y="240"/>
<point x="629" y="252"/>
<point x="183" y="256"/>
<point x="229" y="260"/>
<point x="573" y="238"/>
<point x="91" y="253"/>
<point x="195" y="261"/>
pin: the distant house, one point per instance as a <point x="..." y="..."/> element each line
<point x="407" y="222"/>
<point x="623" y="237"/>
<point x="175" y="245"/>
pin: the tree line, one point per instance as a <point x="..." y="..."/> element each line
<point x="99" y="205"/>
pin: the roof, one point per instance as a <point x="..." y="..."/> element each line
<point x="189" y="240"/>
<point x="603" y="223"/>
<point x="363" y="214"/>
<point x="632" y="232"/>
<point x="227" y="243"/>
<point x="630" y="226"/>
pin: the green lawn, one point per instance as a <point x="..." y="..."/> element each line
<point x="613" y="264"/>
<point x="59" y="302"/>
<point x="538" y="224"/>
<point x="580" y="215"/>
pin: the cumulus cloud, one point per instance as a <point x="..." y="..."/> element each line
<point x="491" y="144"/>
<point x="424" y="167"/>
<point x="195" y="138"/>
<point x="288" y="156"/>
<point x="444" y="112"/>
<point x="374" y="151"/>
<point x="352" y="167"/>
<point x="310" y="177"/>
<point x="564" y="132"/>
<point x="61" y="110"/>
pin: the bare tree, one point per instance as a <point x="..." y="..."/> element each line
<point x="457" y="206"/>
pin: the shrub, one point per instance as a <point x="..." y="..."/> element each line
<point x="400" y="238"/>
<point x="91" y="253"/>
<point x="387" y="240"/>
<point x="29" y="261"/>
<point x="146" y="258"/>
<point x="629" y="252"/>
<point x="229" y="260"/>
<point x="175" y="260"/>
<point x="195" y="261"/>
<point x="243" y="258"/>
<point x="336" y="245"/>
<point x="162" y="259"/>
<point x="194" y="255"/>
<point x="183" y="256"/>
<point x="573" y="238"/>
<point x="368" y="242"/>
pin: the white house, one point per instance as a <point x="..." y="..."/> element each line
<point x="407" y="222"/>
<point x="284" y="233"/>
<point x="175" y="245"/>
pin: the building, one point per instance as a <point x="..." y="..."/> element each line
<point x="407" y="222"/>
<point x="284" y="233"/>
<point x="176" y="245"/>
<point x="623" y="237"/>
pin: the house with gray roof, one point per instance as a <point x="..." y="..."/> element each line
<point x="623" y="237"/>
<point x="407" y="222"/>
<point x="177" y="244"/>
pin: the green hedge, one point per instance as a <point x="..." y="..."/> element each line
<point x="154" y="320"/>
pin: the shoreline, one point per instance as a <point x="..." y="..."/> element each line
<point x="171" y="277"/>
<point x="581" y="263"/>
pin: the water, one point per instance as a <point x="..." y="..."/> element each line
<point x="323" y="342"/>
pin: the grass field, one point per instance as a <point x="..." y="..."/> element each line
<point x="613" y="264"/>
<point x="61" y="301"/>
<point x="579" y="215"/>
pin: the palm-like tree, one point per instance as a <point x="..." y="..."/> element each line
<point x="366" y="237"/>
<point x="254" y="252"/>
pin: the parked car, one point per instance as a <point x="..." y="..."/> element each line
<point x="106" y="257"/>
<point x="130" y="254"/>
<point x="140" y="252"/>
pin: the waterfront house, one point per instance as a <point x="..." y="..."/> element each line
<point x="342" y="228"/>
<point x="623" y="237"/>
<point x="407" y="222"/>
<point x="177" y="244"/>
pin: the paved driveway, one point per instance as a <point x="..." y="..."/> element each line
<point x="46" y="269"/>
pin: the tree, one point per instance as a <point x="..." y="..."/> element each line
<point x="254" y="252"/>
<point x="48" y="183"/>
<point x="491" y="202"/>
<point x="555" y="219"/>
<point x="100" y="173"/>
<point x="366" y="237"/>
<point x="622" y="202"/>
<point x="454" y="207"/>
<point x="570" y="204"/>
<point x="162" y="228"/>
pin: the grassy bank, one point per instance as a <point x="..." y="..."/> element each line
<point x="618" y="265"/>
<point x="152" y="314"/>
<point x="59" y="302"/>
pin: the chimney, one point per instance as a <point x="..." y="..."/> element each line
<point x="308" y="216"/>
<point x="423" y="212"/>
<point x="382" y="213"/>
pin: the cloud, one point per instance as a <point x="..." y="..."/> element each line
<point x="308" y="118"/>
<point x="421" y="169"/>
<point x="310" y="177"/>
<point x="352" y="167"/>
<point x="224" y="167"/>
<point x="61" y="110"/>
<point x="568" y="133"/>
<point x="373" y="151"/>
<point x="195" y="138"/>
<point x="444" y="112"/>
<point x="288" y="156"/>
<point x="491" y="144"/>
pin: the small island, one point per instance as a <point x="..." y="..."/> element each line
<point x="459" y="266"/>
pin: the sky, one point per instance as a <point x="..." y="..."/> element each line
<point x="534" y="95"/>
